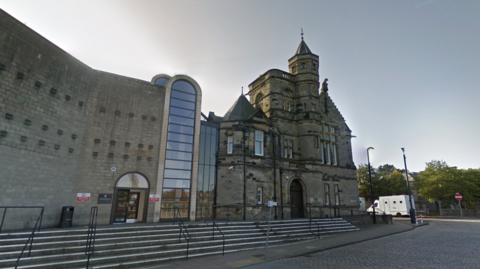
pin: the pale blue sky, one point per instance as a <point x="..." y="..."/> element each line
<point x="403" y="73"/>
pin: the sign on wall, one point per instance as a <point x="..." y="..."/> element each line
<point x="83" y="197"/>
<point x="154" y="198"/>
<point x="104" y="198"/>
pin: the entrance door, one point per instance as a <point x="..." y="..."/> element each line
<point x="121" y="206"/>
<point x="296" y="199"/>
<point x="132" y="211"/>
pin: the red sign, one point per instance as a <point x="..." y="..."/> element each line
<point x="458" y="196"/>
<point x="83" y="197"/>
<point x="154" y="198"/>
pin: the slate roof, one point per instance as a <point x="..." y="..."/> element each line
<point x="240" y="110"/>
<point x="303" y="48"/>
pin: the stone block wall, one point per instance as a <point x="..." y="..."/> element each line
<point x="44" y="99"/>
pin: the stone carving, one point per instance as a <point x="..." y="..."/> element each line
<point x="325" y="85"/>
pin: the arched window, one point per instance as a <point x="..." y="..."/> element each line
<point x="132" y="180"/>
<point x="177" y="175"/>
<point x="161" y="81"/>
<point x="258" y="100"/>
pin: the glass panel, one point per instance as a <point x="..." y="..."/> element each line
<point x="132" y="180"/>
<point x="161" y="81"/>
<point x="332" y="130"/>
<point x="182" y="104"/>
<point x="178" y="164"/>
<point x="258" y="148"/>
<point x="180" y="137"/>
<point x="180" y="129"/>
<point x="175" y="193"/>
<point x="180" y="120"/>
<point x="183" y="96"/>
<point x="200" y="179"/>
<point x="182" y="112"/>
<point x="179" y="146"/>
<point x="173" y="183"/>
<point x="183" y="86"/>
<point x="168" y="173"/>
<point x="178" y="155"/>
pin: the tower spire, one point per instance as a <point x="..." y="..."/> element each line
<point x="302" y="32"/>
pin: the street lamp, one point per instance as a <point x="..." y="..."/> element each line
<point x="412" y="210"/>
<point x="371" y="185"/>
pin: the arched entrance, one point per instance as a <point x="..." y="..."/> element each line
<point x="296" y="199"/>
<point x="131" y="202"/>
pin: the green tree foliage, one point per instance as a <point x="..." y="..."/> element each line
<point x="386" y="180"/>
<point x="440" y="182"/>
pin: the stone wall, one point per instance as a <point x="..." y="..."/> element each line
<point x="44" y="103"/>
<point x="64" y="125"/>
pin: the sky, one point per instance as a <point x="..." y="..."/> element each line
<point x="402" y="73"/>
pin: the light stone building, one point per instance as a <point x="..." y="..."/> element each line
<point x="74" y="136"/>
<point x="288" y="144"/>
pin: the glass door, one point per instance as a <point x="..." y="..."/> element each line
<point x="121" y="206"/>
<point x="133" y="207"/>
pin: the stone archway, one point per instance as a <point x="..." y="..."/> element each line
<point x="296" y="199"/>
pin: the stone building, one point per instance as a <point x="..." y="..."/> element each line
<point x="71" y="135"/>
<point x="289" y="144"/>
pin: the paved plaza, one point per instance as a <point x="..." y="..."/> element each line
<point x="444" y="243"/>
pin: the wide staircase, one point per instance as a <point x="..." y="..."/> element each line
<point x="137" y="246"/>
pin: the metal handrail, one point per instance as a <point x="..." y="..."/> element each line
<point x="318" y="228"/>
<point x="30" y="238"/>
<point x="213" y="232"/>
<point x="7" y="207"/>
<point x="182" y="226"/>
<point x="91" y="233"/>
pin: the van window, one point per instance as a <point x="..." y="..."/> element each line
<point x="376" y="204"/>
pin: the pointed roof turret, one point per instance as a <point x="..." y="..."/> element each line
<point x="240" y="110"/>
<point x="303" y="48"/>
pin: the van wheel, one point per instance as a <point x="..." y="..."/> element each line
<point x="399" y="215"/>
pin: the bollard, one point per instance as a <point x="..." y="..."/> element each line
<point x="416" y="221"/>
<point x="421" y="219"/>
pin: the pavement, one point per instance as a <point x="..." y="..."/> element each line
<point x="258" y="256"/>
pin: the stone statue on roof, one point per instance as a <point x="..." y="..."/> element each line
<point x="325" y="85"/>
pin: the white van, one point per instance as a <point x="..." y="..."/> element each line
<point x="398" y="205"/>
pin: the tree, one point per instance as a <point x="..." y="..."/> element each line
<point x="386" y="179"/>
<point x="440" y="182"/>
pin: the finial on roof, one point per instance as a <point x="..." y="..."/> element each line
<point x="242" y="90"/>
<point x="302" y="32"/>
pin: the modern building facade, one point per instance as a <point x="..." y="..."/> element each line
<point x="71" y="135"/>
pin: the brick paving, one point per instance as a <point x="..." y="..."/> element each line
<point x="445" y="243"/>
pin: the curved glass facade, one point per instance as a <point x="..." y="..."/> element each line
<point x="177" y="174"/>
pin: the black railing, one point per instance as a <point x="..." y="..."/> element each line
<point x="21" y="207"/>
<point x="182" y="226"/>
<point x="92" y="230"/>
<point x="213" y="233"/>
<point x="32" y="235"/>
<point x="318" y="228"/>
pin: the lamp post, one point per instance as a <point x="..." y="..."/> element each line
<point x="412" y="210"/>
<point x="371" y="185"/>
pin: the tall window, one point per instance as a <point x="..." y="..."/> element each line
<point x="178" y="155"/>
<point x="259" y="195"/>
<point x="230" y="145"/>
<point x="327" y="194"/>
<point x="258" y="143"/>
<point x="337" y="195"/>
<point x="287" y="148"/>
<point x="328" y="145"/>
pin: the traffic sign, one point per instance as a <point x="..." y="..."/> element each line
<point x="458" y="196"/>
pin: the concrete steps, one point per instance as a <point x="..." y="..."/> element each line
<point x="134" y="246"/>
